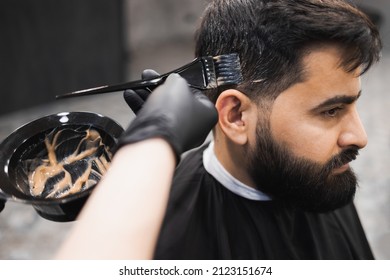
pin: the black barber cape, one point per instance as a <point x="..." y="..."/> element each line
<point x="204" y="220"/>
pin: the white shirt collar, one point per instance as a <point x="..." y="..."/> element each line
<point x="215" y="168"/>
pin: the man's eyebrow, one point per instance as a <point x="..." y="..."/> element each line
<point x="339" y="99"/>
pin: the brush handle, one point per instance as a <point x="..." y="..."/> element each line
<point x="151" y="84"/>
<point x="202" y="73"/>
<point x="194" y="72"/>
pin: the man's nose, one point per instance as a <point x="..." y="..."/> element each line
<point x="353" y="132"/>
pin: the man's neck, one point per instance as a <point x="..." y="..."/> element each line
<point x="231" y="158"/>
<point x="214" y="167"/>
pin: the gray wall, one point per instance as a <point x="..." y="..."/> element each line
<point x="52" y="47"/>
<point x="160" y="33"/>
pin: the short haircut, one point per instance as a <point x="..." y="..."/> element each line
<point x="272" y="37"/>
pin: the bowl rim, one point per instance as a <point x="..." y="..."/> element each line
<point x="51" y="121"/>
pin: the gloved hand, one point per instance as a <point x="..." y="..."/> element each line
<point x="136" y="98"/>
<point x="173" y="112"/>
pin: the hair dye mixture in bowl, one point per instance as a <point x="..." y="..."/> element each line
<point x="67" y="161"/>
<point x="54" y="162"/>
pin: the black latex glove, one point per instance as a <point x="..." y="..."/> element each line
<point x="136" y="98"/>
<point x="174" y="113"/>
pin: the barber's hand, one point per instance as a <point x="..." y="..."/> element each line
<point x="136" y="98"/>
<point x="173" y="112"/>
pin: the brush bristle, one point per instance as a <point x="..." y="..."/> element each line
<point x="228" y="69"/>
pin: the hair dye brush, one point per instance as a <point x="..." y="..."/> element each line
<point x="202" y="73"/>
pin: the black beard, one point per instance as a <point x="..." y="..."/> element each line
<point x="297" y="181"/>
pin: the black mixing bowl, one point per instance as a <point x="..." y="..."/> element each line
<point x="53" y="163"/>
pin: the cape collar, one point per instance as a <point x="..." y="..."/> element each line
<point x="215" y="168"/>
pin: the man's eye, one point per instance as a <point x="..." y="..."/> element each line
<point x="332" y="112"/>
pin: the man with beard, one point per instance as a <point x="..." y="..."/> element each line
<point x="275" y="182"/>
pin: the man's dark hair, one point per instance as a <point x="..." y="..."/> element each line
<point x="272" y="37"/>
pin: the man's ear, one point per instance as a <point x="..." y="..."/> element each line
<point x="237" y="114"/>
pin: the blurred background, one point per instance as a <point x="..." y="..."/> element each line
<point x="53" y="47"/>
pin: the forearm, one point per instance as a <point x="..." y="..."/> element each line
<point x="123" y="216"/>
